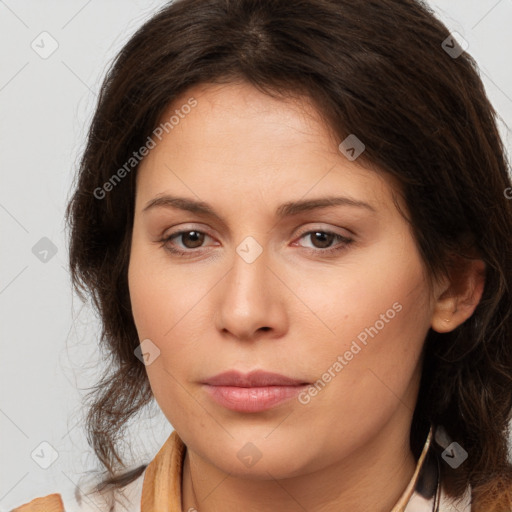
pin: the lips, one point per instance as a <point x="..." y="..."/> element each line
<point x="258" y="378"/>
<point x="253" y="392"/>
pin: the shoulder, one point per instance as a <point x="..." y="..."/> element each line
<point x="125" y="499"/>
<point x="50" y="503"/>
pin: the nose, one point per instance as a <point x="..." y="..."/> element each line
<point x="251" y="300"/>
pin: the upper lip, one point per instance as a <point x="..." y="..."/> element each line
<point x="257" y="378"/>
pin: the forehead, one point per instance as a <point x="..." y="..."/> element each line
<point x="239" y="138"/>
<point x="248" y="116"/>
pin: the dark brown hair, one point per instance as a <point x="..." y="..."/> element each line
<point x="376" y="69"/>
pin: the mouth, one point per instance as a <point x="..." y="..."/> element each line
<point x="253" y="392"/>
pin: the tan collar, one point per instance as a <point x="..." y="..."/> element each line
<point x="162" y="481"/>
<point x="401" y="504"/>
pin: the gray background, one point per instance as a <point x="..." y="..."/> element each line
<point x="49" y="355"/>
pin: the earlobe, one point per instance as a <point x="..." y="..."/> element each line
<point x="459" y="300"/>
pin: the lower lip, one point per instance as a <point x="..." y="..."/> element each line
<point x="252" y="399"/>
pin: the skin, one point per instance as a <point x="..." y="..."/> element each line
<point x="293" y="310"/>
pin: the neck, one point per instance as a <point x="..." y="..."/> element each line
<point x="373" y="478"/>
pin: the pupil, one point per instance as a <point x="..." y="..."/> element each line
<point x="198" y="240"/>
<point x="327" y="237"/>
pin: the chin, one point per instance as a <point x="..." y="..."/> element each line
<point x="256" y="458"/>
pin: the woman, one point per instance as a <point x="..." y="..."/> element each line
<point x="293" y="220"/>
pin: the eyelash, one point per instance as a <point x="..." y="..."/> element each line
<point x="324" y="252"/>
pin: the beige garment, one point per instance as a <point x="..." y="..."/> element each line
<point x="158" y="488"/>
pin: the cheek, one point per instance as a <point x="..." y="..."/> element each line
<point x="160" y="293"/>
<point x="371" y="369"/>
<point x="159" y="300"/>
<point x="375" y="317"/>
<point x="166" y="306"/>
<point x="377" y="297"/>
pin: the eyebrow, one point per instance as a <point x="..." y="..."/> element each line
<point x="285" y="210"/>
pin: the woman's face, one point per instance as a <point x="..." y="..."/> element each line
<point x="267" y="277"/>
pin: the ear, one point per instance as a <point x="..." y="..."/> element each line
<point x="459" y="295"/>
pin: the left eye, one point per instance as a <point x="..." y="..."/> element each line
<point x="325" y="240"/>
